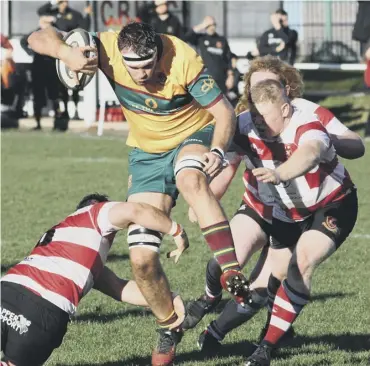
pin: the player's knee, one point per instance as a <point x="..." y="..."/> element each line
<point x="145" y="268"/>
<point x="192" y="183"/>
<point x="144" y="248"/>
<point x="195" y="179"/>
<point x="145" y="264"/>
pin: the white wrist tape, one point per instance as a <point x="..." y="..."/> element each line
<point x="218" y="151"/>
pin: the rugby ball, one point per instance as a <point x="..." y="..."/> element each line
<point x="75" y="38"/>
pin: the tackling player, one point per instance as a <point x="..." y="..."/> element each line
<point x="180" y="126"/>
<point x="255" y="213"/>
<point x="315" y="201"/>
<point x="39" y="294"/>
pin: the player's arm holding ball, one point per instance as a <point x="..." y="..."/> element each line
<point x="49" y="42"/>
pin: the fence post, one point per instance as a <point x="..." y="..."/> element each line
<point x="328" y="20"/>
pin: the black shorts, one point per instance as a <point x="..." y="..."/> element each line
<point x="31" y="327"/>
<point x="335" y="220"/>
<point x="244" y="209"/>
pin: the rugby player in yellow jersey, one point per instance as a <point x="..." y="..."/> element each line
<point x="180" y="126"/>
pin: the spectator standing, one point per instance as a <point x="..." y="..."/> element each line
<point x="163" y="21"/>
<point x="214" y="49"/>
<point x="280" y="40"/>
<point x="9" y="85"/>
<point x="232" y="83"/>
<point x="66" y="19"/>
<point x="361" y="33"/>
<point x="45" y="84"/>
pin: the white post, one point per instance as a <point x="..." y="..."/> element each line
<point x="90" y="103"/>
<point x="5" y="26"/>
<point x="101" y="116"/>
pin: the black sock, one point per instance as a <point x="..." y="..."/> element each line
<point x="235" y="315"/>
<point x="213" y="275"/>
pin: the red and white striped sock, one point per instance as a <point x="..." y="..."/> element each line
<point x="287" y="306"/>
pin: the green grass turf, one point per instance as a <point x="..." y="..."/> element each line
<point x="319" y="80"/>
<point x="43" y="177"/>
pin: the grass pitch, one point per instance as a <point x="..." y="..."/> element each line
<point x="43" y="177"/>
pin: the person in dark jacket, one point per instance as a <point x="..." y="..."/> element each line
<point x="66" y="19"/>
<point x="361" y="33"/>
<point x="163" y="21"/>
<point x="233" y="88"/>
<point x="214" y="49"/>
<point x="45" y="83"/>
<point x="361" y="29"/>
<point x="11" y="81"/>
<point x="280" y="40"/>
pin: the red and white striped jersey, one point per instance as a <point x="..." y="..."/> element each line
<point x="323" y="115"/>
<point x="299" y="198"/>
<point x="68" y="257"/>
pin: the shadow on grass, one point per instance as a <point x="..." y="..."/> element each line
<point x="357" y="126"/>
<point x="316" y="297"/>
<point x="346" y="342"/>
<point x="117" y="257"/>
<point x="110" y="317"/>
<point x="333" y="295"/>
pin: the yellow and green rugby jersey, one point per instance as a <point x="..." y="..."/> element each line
<point x="162" y="114"/>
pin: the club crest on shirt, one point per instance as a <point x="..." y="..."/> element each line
<point x="207" y="85"/>
<point x="219" y="44"/>
<point x="288" y="151"/>
<point x="151" y="103"/>
<point x="330" y="223"/>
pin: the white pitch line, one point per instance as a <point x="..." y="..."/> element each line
<point x="361" y="236"/>
<point x="94" y="160"/>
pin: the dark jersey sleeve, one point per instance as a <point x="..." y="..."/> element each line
<point x="240" y="143"/>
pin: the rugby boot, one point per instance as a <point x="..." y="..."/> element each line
<point x="236" y="284"/>
<point x="260" y="357"/>
<point x="164" y="353"/>
<point x="197" y="309"/>
<point x="208" y="344"/>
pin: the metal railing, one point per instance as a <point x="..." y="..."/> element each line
<point x="325" y="30"/>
